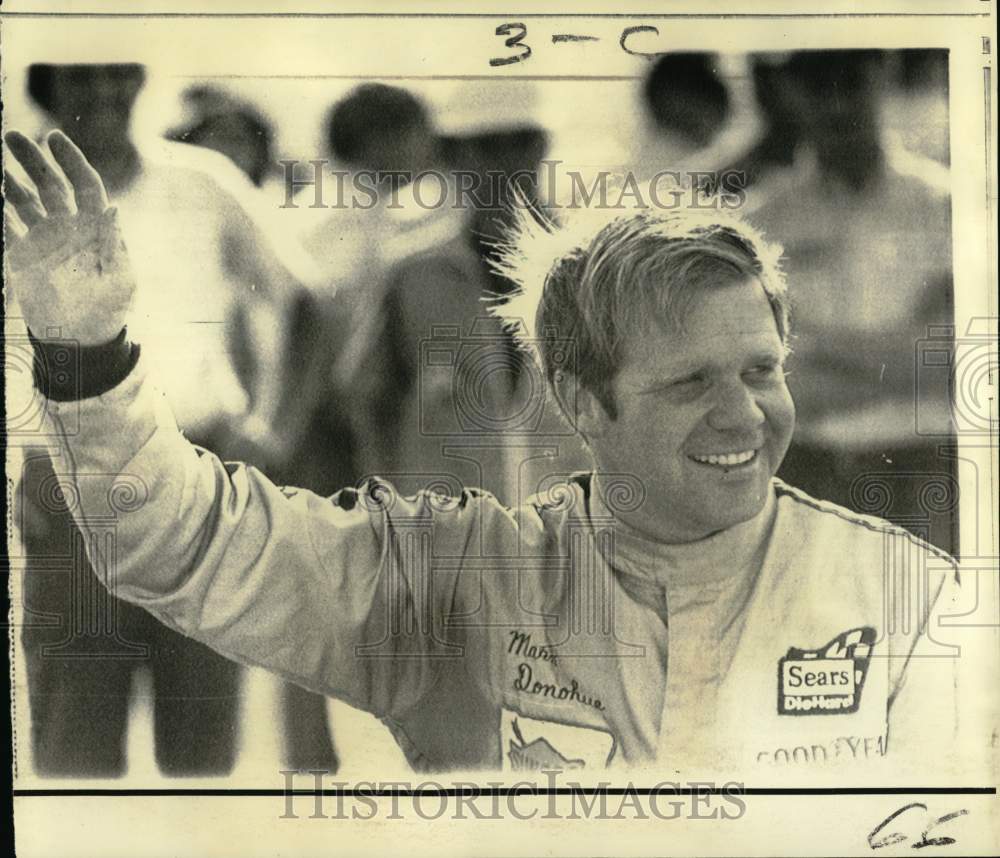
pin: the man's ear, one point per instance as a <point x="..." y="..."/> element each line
<point x="581" y="408"/>
<point x="591" y="418"/>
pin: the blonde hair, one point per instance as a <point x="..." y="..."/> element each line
<point x="602" y="277"/>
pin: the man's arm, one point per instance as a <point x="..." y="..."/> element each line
<point x="279" y="578"/>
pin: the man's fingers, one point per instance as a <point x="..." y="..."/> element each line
<point x="24" y="201"/>
<point x="52" y="188"/>
<point x="88" y="189"/>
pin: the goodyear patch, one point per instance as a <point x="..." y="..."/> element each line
<point x="530" y="744"/>
<point x="828" y="680"/>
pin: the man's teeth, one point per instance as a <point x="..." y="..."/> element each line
<point x="728" y="459"/>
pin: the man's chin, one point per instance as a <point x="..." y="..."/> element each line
<point x="734" y="508"/>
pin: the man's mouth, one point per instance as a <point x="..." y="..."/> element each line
<point x="727" y="460"/>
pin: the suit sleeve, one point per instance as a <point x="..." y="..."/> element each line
<point x="313" y="589"/>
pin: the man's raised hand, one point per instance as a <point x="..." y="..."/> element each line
<point x="66" y="261"/>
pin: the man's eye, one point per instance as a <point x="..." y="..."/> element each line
<point x="686" y="383"/>
<point x="765" y="370"/>
<point x="686" y="388"/>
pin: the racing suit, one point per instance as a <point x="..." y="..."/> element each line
<point x="547" y="636"/>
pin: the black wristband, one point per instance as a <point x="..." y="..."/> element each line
<point x="65" y="371"/>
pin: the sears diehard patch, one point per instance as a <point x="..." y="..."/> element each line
<point x="529" y="744"/>
<point x="828" y="680"/>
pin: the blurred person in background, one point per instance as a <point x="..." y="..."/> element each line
<point x="217" y="120"/>
<point x="225" y="123"/>
<point x="915" y="107"/>
<point x="390" y="267"/>
<point x="231" y="126"/>
<point x="398" y="253"/>
<point x="199" y="252"/>
<point x="494" y="141"/>
<point x="780" y="133"/>
<point x="492" y="131"/>
<point x="686" y="102"/>
<point x="184" y="208"/>
<point x="380" y="137"/>
<point x="696" y="118"/>
<point x="866" y="228"/>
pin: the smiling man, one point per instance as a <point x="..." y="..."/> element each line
<point x="698" y="407"/>
<point x="677" y="606"/>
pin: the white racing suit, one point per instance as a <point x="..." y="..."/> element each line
<point x="491" y="638"/>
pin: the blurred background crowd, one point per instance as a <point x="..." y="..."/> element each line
<point x="326" y="344"/>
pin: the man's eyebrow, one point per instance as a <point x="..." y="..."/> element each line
<point x="765" y="354"/>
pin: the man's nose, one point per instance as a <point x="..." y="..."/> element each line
<point x="735" y="409"/>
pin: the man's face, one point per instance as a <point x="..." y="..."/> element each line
<point x="704" y="416"/>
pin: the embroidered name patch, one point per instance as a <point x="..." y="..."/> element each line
<point x="828" y="680"/>
<point x="529" y="744"/>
